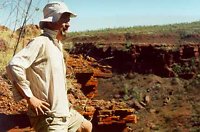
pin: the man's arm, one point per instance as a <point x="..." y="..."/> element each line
<point x="36" y="104"/>
<point x="17" y="70"/>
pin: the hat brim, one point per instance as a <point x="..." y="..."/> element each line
<point x="50" y="19"/>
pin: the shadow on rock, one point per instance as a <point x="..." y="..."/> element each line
<point x="8" y="122"/>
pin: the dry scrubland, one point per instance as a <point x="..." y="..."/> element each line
<point x="162" y="103"/>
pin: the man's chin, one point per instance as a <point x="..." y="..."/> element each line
<point x="63" y="33"/>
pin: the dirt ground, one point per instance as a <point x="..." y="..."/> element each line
<point x="162" y="104"/>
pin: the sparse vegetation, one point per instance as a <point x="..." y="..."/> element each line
<point x="4" y="59"/>
<point x="169" y="101"/>
<point x="183" y="29"/>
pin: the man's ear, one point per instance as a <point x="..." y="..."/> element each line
<point x="46" y="25"/>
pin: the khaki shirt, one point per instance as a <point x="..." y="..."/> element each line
<point x="39" y="69"/>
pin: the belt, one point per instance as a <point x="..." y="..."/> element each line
<point x="50" y="119"/>
<point x="63" y="119"/>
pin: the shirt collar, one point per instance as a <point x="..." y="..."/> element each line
<point x="51" y="33"/>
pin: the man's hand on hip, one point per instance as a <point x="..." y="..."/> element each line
<point x="38" y="105"/>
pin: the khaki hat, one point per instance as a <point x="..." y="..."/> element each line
<point x="53" y="11"/>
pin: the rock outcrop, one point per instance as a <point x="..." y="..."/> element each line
<point x="83" y="74"/>
<point x="166" y="60"/>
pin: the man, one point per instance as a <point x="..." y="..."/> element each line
<point x="38" y="73"/>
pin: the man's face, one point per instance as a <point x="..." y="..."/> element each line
<point x="63" y="22"/>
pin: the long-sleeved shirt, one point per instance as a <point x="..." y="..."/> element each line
<point x="40" y="71"/>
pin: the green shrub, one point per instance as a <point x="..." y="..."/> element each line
<point x="5" y="58"/>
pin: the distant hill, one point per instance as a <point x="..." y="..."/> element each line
<point x="171" y="33"/>
<point x="30" y="31"/>
<point x="7" y="36"/>
<point x="193" y="27"/>
<point x="155" y="33"/>
<point x="10" y="37"/>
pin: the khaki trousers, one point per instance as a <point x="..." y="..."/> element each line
<point x="57" y="124"/>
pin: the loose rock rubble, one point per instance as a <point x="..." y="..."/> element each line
<point x="101" y="112"/>
<point x="82" y="87"/>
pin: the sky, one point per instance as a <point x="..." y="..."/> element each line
<point x="100" y="14"/>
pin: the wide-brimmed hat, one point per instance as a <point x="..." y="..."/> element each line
<point x="53" y="11"/>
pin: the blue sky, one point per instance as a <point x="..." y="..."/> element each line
<point x="100" y="14"/>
